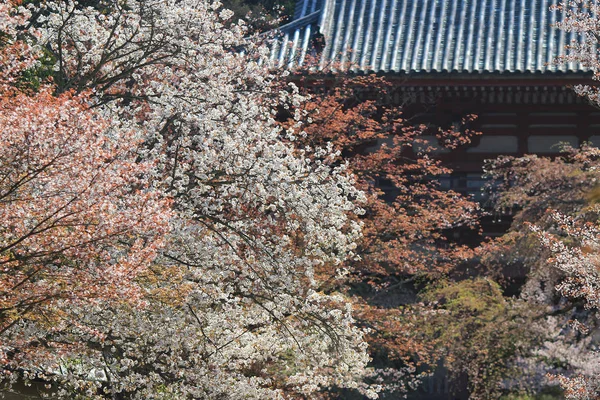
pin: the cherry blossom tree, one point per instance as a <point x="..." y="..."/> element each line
<point x="79" y="221"/>
<point x="569" y="230"/>
<point x="232" y="306"/>
<point x="554" y="210"/>
<point x="407" y="214"/>
<point x="574" y="246"/>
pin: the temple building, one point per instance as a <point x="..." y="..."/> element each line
<point x="450" y="58"/>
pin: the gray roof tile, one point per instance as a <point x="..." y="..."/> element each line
<point x="427" y="35"/>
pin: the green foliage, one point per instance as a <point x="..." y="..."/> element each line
<point x="550" y="393"/>
<point x="42" y="73"/>
<point x="480" y="296"/>
<point x="477" y="332"/>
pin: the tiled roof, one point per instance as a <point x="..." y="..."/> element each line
<point x="427" y="35"/>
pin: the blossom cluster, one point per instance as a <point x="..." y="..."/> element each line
<point x="223" y="301"/>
